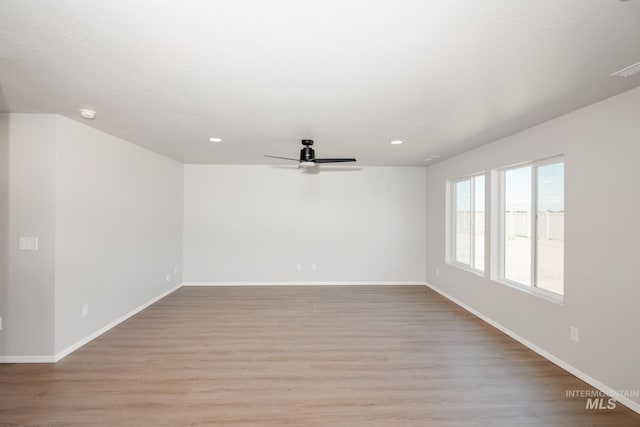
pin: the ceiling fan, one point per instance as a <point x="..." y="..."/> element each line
<point x="308" y="156"/>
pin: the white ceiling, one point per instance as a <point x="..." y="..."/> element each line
<point x="442" y="75"/>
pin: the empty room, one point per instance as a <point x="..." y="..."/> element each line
<point x="319" y="213"/>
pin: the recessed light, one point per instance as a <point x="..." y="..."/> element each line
<point x="396" y="142"/>
<point x="215" y="139"/>
<point x="627" y="71"/>
<point x="87" y="114"/>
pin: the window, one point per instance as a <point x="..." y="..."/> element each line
<point x="532" y="229"/>
<point x="467" y="234"/>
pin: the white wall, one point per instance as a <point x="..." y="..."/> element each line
<point x="118" y="226"/>
<point x="255" y="223"/>
<point x="601" y="144"/>
<point x="4" y="222"/>
<point x="108" y="215"/>
<point x="28" y="328"/>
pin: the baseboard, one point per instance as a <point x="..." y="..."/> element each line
<point x="27" y="359"/>
<point x="303" y="284"/>
<point x="96" y="334"/>
<point x="610" y="391"/>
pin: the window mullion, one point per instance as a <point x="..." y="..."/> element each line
<point x="534" y="225"/>
<point x="501" y="229"/>
<point x="454" y="223"/>
<point x="472" y="223"/>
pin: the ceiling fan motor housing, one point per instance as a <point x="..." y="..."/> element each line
<point x="307" y="154"/>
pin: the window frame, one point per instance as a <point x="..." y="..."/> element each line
<point x="452" y="229"/>
<point x="533" y="229"/>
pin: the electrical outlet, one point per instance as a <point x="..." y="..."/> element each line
<point x="168" y="277"/>
<point x="299" y="267"/>
<point x="85" y="310"/>
<point x="574" y="334"/>
<point x="314" y="267"/>
<point x="437" y="272"/>
<point x="175" y="270"/>
<point x="0" y="323"/>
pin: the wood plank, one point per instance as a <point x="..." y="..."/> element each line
<point x="309" y="356"/>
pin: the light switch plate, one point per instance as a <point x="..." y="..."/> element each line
<point x="28" y="243"/>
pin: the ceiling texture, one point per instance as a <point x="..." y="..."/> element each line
<point x="443" y="76"/>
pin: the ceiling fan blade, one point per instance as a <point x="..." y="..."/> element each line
<point x="334" y="160"/>
<point x="284" y="158"/>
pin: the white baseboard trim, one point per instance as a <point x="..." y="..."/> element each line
<point x="96" y="334"/>
<point x="27" y="359"/>
<point x="303" y="283"/>
<point x="631" y="404"/>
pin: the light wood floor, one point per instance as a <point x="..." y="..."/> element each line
<point x="303" y="356"/>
